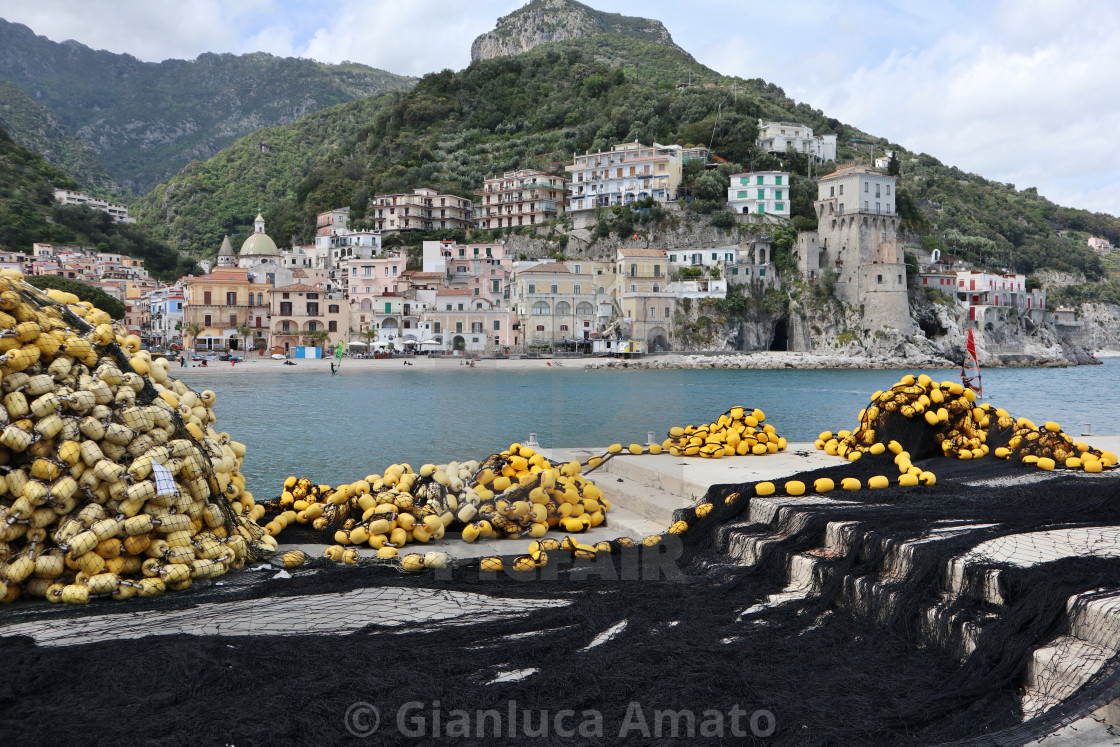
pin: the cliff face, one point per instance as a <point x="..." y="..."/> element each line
<point x="543" y="21"/>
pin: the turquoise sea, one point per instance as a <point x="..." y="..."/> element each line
<point x="340" y="428"/>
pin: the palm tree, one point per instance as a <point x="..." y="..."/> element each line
<point x="369" y="334"/>
<point x="193" y="330"/>
<point x="246" y="332"/>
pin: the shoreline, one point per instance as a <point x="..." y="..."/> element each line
<point x="776" y="360"/>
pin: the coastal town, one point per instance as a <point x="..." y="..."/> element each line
<point x="483" y="299"/>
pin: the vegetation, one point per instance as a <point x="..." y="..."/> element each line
<point x="84" y="292"/>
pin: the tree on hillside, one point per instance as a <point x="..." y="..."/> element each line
<point x="83" y="291"/>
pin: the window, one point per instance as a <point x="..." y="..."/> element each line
<point x="583" y="308"/>
<point x="285" y="308"/>
<point x="285" y="326"/>
<point x="458" y="326"/>
<point x="734" y="270"/>
<point x="563" y="327"/>
<point x="436" y="328"/>
<point x="575" y="289"/>
<point x="762" y="194"/>
<point x="206" y="298"/>
<point x="633" y="271"/>
<point x="673" y="257"/>
<point x="368" y="270"/>
<point x="540" y="308"/>
<point x="312" y="295"/>
<point x="879" y="278"/>
<point x="777" y="194"/>
<point x="779" y="206"/>
<point x="633" y="287"/>
<point x="652" y="313"/>
<point x="888" y="189"/>
<point x="497" y="324"/>
<point x="313" y="308"/>
<point x="332" y="326"/>
<point x="460" y="307"/>
<point x="832" y="191"/>
<point x="563" y="307"/>
<point x="540" y="328"/>
<point x="577" y="269"/>
<point x="866" y="186"/>
<point x="462" y="252"/>
<point x="759" y="181"/>
<point x="388" y="307"/>
<point x="778" y="180"/>
<point x="332" y="308"/>
<point x="877" y="190"/>
<point x="742" y="194"/>
<point x="532" y="288"/>
<point x="762" y="273"/>
<point x="841" y="189"/>
<point x="744" y="181"/>
<point x="476" y="327"/>
<point x="312" y="326"/>
<point x="761" y="208"/>
<point x="553" y="289"/>
<point x="207" y="321"/>
<point x="656" y="288"/>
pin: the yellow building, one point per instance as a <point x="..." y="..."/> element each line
<point x="553" y="302"/>
<point x="640" y="290"/>
<point x="299" y="311"/>
<point x="219" y="304"/>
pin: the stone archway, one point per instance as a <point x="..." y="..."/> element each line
<point x="657" y="339"/>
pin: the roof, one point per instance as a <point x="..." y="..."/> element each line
<point x="850" y="170"/>
<point x="300" y="274"/>
<point x="549" y="267"/>
<point x="456" y="292"/>
<point x="257" y="245"/>
<point x="658" y="253"/>
<point x="416" y="275"/>
<point x="227" y="248"/>
<point x="225" y="274"/>
<point x="298" y="288"/>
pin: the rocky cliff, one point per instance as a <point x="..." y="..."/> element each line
<point x="543" y="21"/>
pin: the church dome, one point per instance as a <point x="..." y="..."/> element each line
<point x="259" y="243"/>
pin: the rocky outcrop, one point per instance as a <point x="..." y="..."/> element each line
<point x="544" y="21"/>
<point x="1097" y="328"/>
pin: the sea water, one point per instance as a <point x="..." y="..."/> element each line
<point x="336" y="429"/>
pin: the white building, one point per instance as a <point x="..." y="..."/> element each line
<point x="784" y="137"/>
<point x="761" y="194"/>
<point x="695" y="257"/>
<point x="624" y="174"/>
<point x="117" y="212"/>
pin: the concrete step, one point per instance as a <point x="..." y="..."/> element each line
<point x="678" y="478"/>
<point x="641" y="499"/>
<point x="1056" y="670"/>
<point x="1097" y="620"/>
<point x="622" y="522"/>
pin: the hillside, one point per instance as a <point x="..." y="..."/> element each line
<point x="146" y="121"/>
<point x="29" y="214"/>
<point x="36" y="128"/>
<point x="537" y="108"/>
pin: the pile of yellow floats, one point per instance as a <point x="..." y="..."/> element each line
<point x="736" y="433"/>
<point x="960" y="430"/>
<point x="116" y="482"/>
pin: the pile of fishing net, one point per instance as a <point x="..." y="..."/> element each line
<point x="115" y="481"/>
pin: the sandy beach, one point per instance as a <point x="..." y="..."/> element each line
<point x="759" y="360"/>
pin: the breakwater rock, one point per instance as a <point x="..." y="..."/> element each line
<point x="771" y="360"/>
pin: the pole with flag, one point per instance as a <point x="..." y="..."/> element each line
<point x="970" y="367"/>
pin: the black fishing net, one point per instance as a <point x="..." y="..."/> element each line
<point x="894" y="616"/>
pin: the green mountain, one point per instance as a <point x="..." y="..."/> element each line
<point x="536" y="108"/>
<point x="38" y="129"/>
<point x="146" y="121"/>
<point x="28" y="214"/>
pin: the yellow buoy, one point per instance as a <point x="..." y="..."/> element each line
<point x="795" y="487"/>
<point x="764" y="488"/>
<point x="823" y="484"/>
<point x="878" y="482"/>
<point x="850" y="483"/>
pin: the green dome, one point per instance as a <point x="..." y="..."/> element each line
<point x="258" y="244"/>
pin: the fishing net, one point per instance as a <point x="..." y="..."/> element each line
<point x="980" y="607"/>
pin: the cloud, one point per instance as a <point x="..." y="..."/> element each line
<point x="1021" y="93"/>
<point x="151" y="31"/>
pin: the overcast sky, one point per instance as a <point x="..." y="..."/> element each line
<point x="1020" y="91"/>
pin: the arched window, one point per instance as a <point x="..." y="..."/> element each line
<point x="656" y="288"/>
<point x="584" y="308"/>
<point x="260" y="299"/>
<point x="540" y="308"/>
<point x="563" y="307"/>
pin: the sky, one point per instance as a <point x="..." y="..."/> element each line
<point x="1025" y="92"/>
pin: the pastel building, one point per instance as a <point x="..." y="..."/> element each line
<point x="788" y="137"/>
<point x="421" y="210"/>
<point x="553" y="302"/>
<point x="642" y="295"/>
<point x="624" y="174"/>
<point x="519" y="198"/>
<point x="459" y="321"/>
<point x="298" y="311"/>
